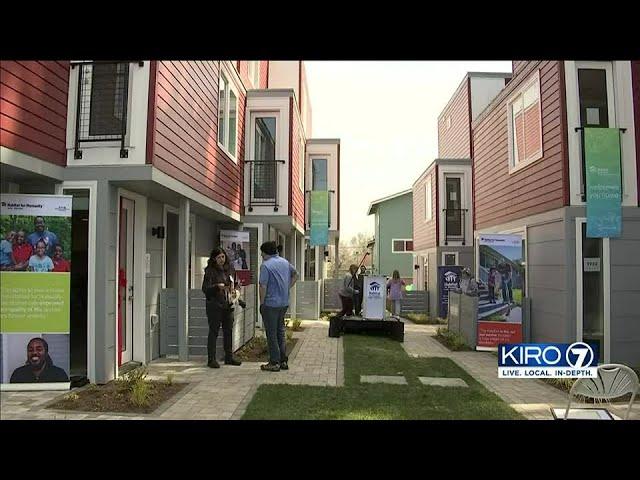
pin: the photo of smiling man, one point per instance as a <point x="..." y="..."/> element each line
<point x="39" y="367"/>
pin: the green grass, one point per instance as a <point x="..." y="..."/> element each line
<point x="372" y="355"/>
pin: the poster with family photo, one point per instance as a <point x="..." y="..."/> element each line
<point x="236" y="245"/>
<point x="35" y="266"/>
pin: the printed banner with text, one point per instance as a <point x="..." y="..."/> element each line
<point x="236" y="244"/>
<point x="319" y="218"/>
<point x="35" y="273"/>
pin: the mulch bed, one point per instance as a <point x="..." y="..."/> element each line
<point x="256" y="351"/>
<point x="114" y="397"/>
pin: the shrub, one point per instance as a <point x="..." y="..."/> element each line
<point x="452" y="340"/>
<point x="296" y="325"/>
<point x="140" y="393"/>
<point x="72" y="397"/>
<point x="135" y="376"/>
<point x="170" y="379"/>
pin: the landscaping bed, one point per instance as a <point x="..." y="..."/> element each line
<point x="256" y="350"/>
<point x="131" y="394"/>
<point x="452" y="340"/>
<point x="424" y="319"/>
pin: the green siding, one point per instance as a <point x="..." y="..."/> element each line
<point x="394" y="220"/>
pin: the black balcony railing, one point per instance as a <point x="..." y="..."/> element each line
<point x="263" y="183"/>
<point x="583" y="165"/>
<point x="102" y="100"/>
<point x="454" y="222"/>
<point x="307" y="208"/>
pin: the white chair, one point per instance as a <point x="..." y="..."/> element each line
<point x="613" y="381"/>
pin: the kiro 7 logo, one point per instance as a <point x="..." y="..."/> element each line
<point x="553" y="360"/>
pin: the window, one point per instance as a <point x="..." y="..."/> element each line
<point x="402" y="245"/>
<point x="428" y="207"/>
<point x="265" y="169"/>
<point x="301" y="161"/>
<point x="227" y="116"/>
<point x="449" y="259"/>
<point x="319" y="173"/>
<point x="525" y="124"/>
<point x="254" y="73"/>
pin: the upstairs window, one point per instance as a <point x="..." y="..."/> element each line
<point x="227" y="116"/>
<point x="525" y="124"/>
<point x="402" y="245"/>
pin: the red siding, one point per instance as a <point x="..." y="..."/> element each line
<point x="501" y="197"/>
<point x="424" y="232"/>
<point x="296" y="196"/>
<point x="264" y="73"/>
<point x="455" y="141"/>
<point x="635" y="83"/>
<point x="33" y="108"/>
<point x="186" y="131"/>
<point x="518" y="66"/>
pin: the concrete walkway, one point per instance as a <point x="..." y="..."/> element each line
<point x="211" y="394"/>
<point x="533" y="398"/>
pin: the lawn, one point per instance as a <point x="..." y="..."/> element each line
<point x="372" y="355"/>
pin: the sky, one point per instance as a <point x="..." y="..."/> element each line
<point x="385" y="115"/>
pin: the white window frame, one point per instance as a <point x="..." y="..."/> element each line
<point x="254" y="72"/>
<point x="428" y="199"/>
<point x="534" y="79"/>
<point x="166" y="209"/>
<point x="301" y="162"/>
<point x="450" y="253"/>
<point x="229" y="87"/>
<point x="405" y="240"/>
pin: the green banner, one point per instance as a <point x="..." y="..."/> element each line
<point x="319" y="213"/>
<point x="603" y="182"/>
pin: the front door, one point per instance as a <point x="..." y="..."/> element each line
<point x="125" y="281"/>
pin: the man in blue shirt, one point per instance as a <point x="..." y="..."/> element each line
<point x="41" y="233"/>
<point x="277" y="276"/>
<point x="6" y="249"/>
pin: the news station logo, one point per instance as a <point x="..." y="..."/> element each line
<point x="547" y="360"/>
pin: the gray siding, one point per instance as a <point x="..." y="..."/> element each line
<point x="330" y="293"/>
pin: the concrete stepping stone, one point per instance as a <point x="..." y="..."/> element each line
<point x="443" y="382"/>
<point x="393" y="379"/>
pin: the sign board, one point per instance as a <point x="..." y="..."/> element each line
<point x="374" y="301"/>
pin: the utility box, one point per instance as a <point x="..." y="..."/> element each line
<point x="373" y="302"/>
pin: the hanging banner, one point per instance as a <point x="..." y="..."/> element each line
<point x="236" y="244"/>
<point x="35" y="287"/>
<point x="448" y="279"/>
<point x="603" y="182"/>
<point x="319" y="218"/>
<point x="501" y="286"/>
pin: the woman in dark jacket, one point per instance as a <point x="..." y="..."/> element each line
<point x="219" y="287"/>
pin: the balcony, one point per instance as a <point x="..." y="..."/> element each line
<point x="102" y="104"/>
<point x="454" y="223"/>
<point x="264" y="176"/>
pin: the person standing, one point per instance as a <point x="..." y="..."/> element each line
<point x="6" y="250"/>
<point x="348" y="291"/>
<point x="218" y="286"/>
<point x="277" y="277"/>
<point x="22" y="251"/>
<point x="491" y="285"/>
<point x="60" y="264"/>
<point x="359" y="285"/>
<point x="41" y="233"/>
<point x="39" y="261"/>
<point x="395" y="288"/>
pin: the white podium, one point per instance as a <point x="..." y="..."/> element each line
<point x="374" y="299"/>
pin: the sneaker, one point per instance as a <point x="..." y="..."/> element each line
<point x="284" y="366"/>
<point x="232" y="361"/>
<point x="213" y="364"/>
<point x="270" y="367"/>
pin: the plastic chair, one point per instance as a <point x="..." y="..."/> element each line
<point x="613" y="381"/>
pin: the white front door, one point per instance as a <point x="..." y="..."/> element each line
<point x="125" y="281"/>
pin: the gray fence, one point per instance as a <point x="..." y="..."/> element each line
<point x="243" y="326"/>
<point x="415" y="302"/>
<point x="307" y="300"/>
<point x="463" y="316"/>
<point x="330" y="294"/>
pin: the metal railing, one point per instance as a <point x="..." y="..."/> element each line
<point x="101" y="107"/>
<point x="307" y="208"/>
<point x="454" y="217"/>
<point x="583" y="166"/>
<point x="263" y="183"/>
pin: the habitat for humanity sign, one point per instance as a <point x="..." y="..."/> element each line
<point x="603" y="181"/>
<point x="35" y="291"/>
<point x="449" y="279"/>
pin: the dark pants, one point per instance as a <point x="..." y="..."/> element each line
<point x="218" y="317"/>
<point x="506" y="286"/>
<point x="347" y="306"/>
<point x="273" y="321"/>
<point x="492" y="293"/>
<point x="357" y="304"/>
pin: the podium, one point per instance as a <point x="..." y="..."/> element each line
<point x="374" y="295"/>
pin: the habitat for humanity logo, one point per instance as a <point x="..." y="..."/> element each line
<point x="450" y="277"/>
<point x="374" y="289"/>
<point x="547" y="360"/>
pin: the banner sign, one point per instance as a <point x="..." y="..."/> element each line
<point x="500" y="290"/>
<point x="35" y="291"/>
<point x="236" y="245"/>
<point x="448" y="279"/>
<point x="603" y="182"/>
<point x="319" y="218"/>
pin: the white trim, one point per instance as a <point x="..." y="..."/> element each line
<point x="32" y="387"/>
<point x="253" y="72"/>
<point x="405" y="240"/>
<point x="230" y="86"/>
<point x="533" y="79"/>
<point x="466" y="202"/>
<point x="29" y="163"/>
<point x="257" y="226"/>
<point x="166" y="208"/>
<point x="92" y="186"/>
<point x="139" y="274"/>
<point x="450" y="253"/>
<point x="606" y="285"/>
<point x="192" y="259"/>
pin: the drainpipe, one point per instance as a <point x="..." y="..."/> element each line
<point x="183" y="280"/>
